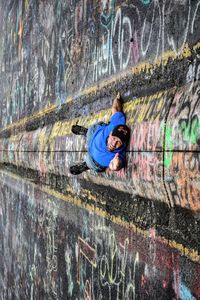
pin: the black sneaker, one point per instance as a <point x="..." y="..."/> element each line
<point x="78" y="169"/>
<point x="79" y="130"/>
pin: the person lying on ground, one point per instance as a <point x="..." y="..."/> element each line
<point x="106" y="143"/>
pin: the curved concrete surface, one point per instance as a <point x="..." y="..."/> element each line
<point x="62" y="62"/>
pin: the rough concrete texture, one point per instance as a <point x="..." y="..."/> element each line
<point x="62" y="62"/>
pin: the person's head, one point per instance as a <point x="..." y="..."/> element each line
<point x="118" y="137"/>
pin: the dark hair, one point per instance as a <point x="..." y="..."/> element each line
<point x="122" y="132"/>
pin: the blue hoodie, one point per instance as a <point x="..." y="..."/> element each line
<point x="98" y="144"/>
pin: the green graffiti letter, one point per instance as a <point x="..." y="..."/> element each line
<point x="168" y="147"/>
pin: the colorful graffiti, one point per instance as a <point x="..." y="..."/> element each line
<point x="61" y="63"/>
<point x="163" y="156"/>
<point x="49" y="251"/>
<point x="53" y="50"/>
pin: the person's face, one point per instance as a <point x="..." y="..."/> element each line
<point x="113" y="142"/>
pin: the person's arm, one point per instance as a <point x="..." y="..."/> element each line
<point x="117" y="104"/>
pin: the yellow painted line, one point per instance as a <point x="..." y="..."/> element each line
<point x="21" y="122"/>
<point x="63" y="128"/>
<point x="190" y="253"/>
<point x="147" y="67"/>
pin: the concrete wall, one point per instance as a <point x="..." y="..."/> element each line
<point x="62" y="62"/>
<point x="55" y="249"/>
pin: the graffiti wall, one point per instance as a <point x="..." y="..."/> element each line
<point x="62" y="62"/>
<point x="163" y="155"/>
<point x="51" y="51"/>
<point x="55" y="249"/>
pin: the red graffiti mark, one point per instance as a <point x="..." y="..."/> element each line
<point x="134" y="49"/>
<point x="42" y="167"/>
<point x="197" y="283"/>
<point x="122" y="173"/>
<point x="144" y="166"/>
<point x="84" y="249"/>
<point x="143" y="281"/>
<point x="176" y="271"/>
<point x="88" y="290"/>
<point x="146" y="136"/>
<point x="187" y="179"/>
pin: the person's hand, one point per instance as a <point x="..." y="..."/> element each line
<point x="117" y="104"/>
<point x="116" y="163"/>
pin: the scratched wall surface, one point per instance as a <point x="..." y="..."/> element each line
<point x="59" y="250"/>
<point x="51" y="51"/>
<point x="62" y="62"/>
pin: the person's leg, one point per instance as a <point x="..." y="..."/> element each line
<point x="91" y="130"/>
<point x="76" y="129"/>
<point x="88" y="163"/>
<point x="79" y="130"/>
<point x="78" y="168"/>
<point x="92" y="164"/>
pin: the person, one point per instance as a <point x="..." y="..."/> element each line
<point x="106" y="143"/>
